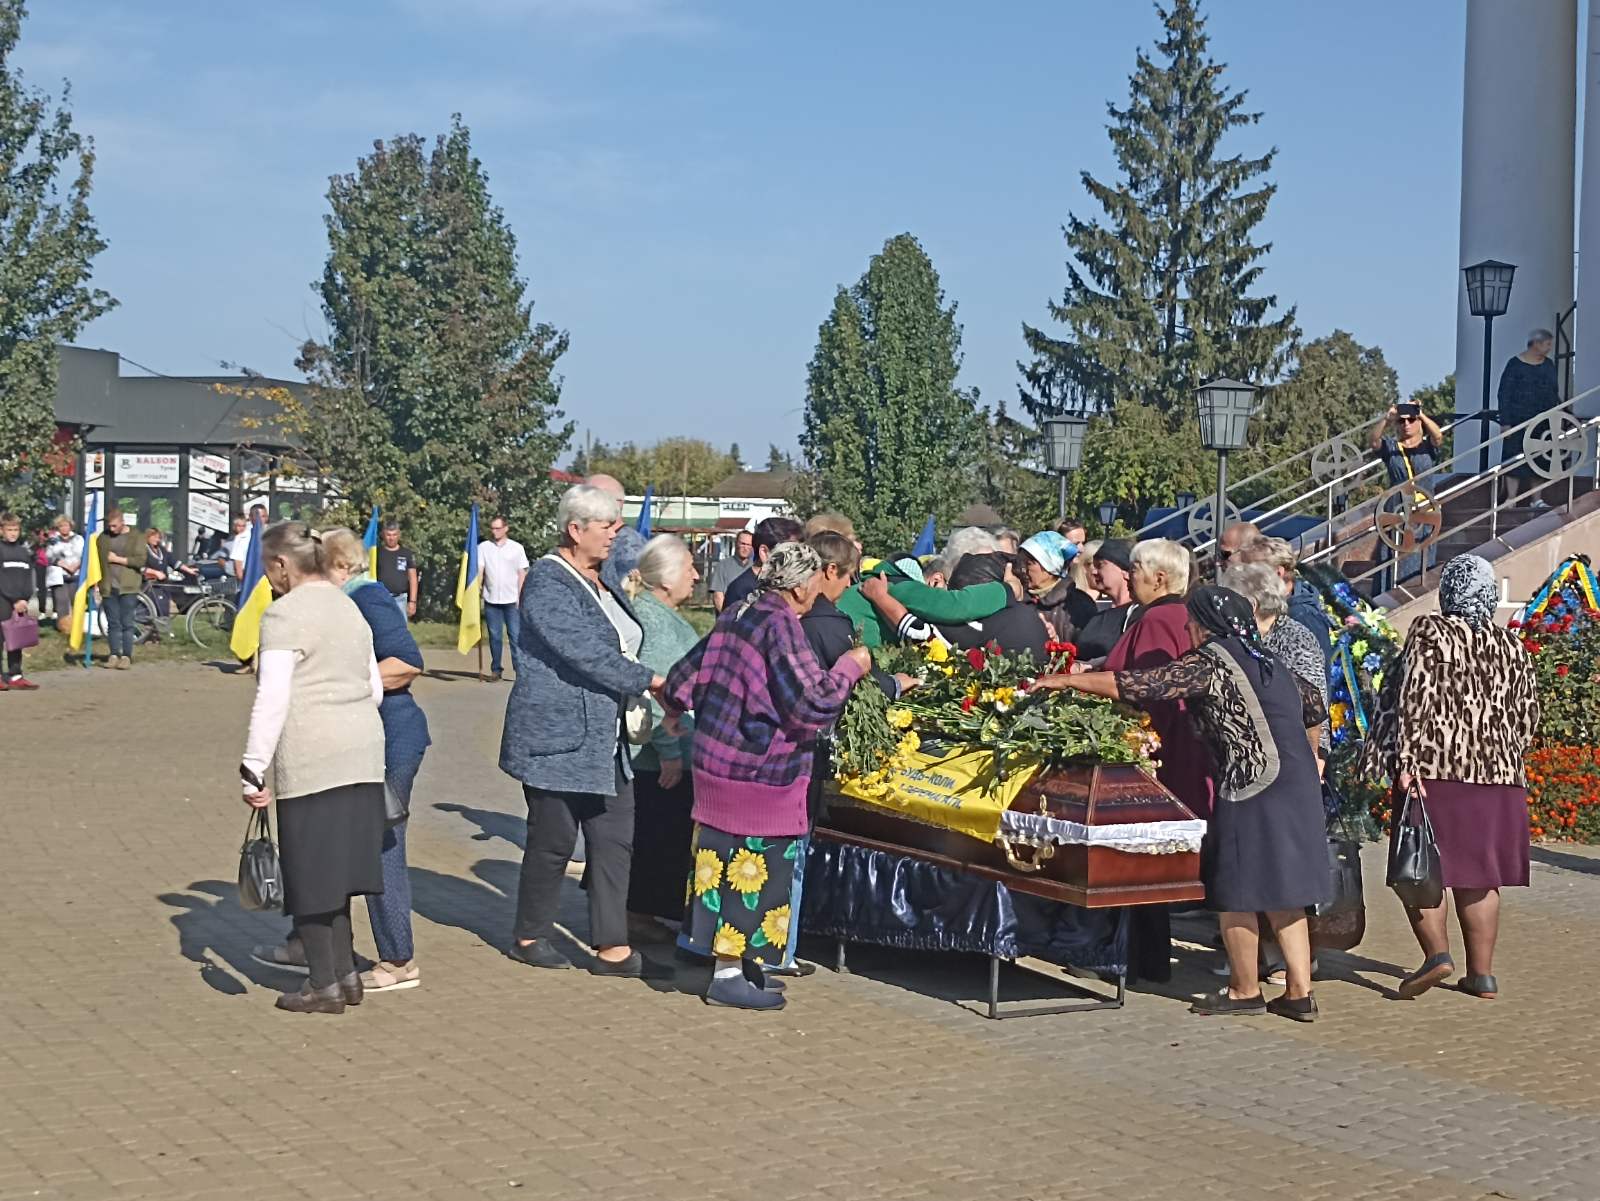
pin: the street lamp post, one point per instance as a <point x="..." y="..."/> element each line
<point x="1225" y="407"/>
<point x="1063" y="452"/>
<point x="1107" y="514"/>
<point x="1488" y="296"/>
<point x="1184" y="500"/>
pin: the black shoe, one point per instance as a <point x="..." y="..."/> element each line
<point x="1303" y="1010"/>
<point x="634" y="967"/>
<point x="797" y="968"/>
<point x="736" y="992"/>
<point x="761" y="978"/>
<point x="350" y="986"/>
<point x="538" y="953"/>
<point x="313" y="1000"/>
<point x="1220" y="1004"/>
<point x="495" y="677"/>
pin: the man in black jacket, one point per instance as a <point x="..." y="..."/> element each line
<point x="16" y="586"/>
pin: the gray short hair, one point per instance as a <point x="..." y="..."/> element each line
<point x="584" y="503"/>
<point x="968" y="540"/>
<point x="1274" y="552"/>
<point x="661" y="564"/>
<point x="1259" y="585"/>
<point x="1540" y="335"/>
<point x="1163" y="554"/>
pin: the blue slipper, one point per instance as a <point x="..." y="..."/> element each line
<point x="1436" y="970"/>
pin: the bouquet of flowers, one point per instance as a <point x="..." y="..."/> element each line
<point x="1561" y="631"/>
<point x="982" y="698"/>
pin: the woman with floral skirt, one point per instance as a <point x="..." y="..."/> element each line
<point x="760" y="699"/>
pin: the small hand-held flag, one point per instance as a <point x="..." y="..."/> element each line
<point x="469" y="591"/>
<point x="369" y="541"/>
<point x="925" y="545"/>
<point x="255" y="594"/>
<point x="643" y="524"/>
<point x="88" y="581"/>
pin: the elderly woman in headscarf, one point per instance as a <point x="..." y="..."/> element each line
<point x="1455" y="718"/>
<point x="1265" y="851"/>
<point x="1045" y="560"/>
<point x="760" y="700"/>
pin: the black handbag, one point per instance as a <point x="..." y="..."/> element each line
<point x="260" y="878"/>
<point x="1414" y="870"/>
<point x="1341" y="924"/>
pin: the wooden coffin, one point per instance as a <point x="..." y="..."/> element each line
<point x="1093" y="876"/>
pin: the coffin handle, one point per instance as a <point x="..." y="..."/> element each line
<point x="1041" y="855"/>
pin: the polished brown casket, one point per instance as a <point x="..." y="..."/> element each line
<point x="1094" y="798"/>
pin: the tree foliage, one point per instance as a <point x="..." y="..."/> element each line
<point x="1162" y="289"/>
<point x="435" y="388"/>
<point x="48" y="241"/>
<point x="676" y="466"/>
<point x="1011" y="475"/>
<point x="889" y="437"/>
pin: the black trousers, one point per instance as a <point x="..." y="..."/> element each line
<point x="554" y="819"/>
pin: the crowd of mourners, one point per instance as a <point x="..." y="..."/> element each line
<point x="693" y="766"/>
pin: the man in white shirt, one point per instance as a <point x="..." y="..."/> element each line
<point x="502" y="565"/>
<point x="239" y="548"/>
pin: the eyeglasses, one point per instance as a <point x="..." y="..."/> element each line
<point x="1409" y="420"/>
<point x="1224" y="555"/>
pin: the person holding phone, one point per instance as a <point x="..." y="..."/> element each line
<point x="315" y="724"/>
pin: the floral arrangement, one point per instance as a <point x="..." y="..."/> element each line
<point x="981" y="698"/>
<point x="1561" y="630"/>
<point x="1564" y="793"/>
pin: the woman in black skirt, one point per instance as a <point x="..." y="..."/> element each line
<point x="1266" y="850"/>
<point x="1454" y="721"/>
<point x="315" y="725"/>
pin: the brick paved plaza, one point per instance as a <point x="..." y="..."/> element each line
<point x="141" y="1057"/>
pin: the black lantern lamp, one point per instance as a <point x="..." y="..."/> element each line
<point x="1488" y="296"/>
<point x="1063" y="451"/>
<point x="1108" y="514"/>
<point x="1225" y="407"/>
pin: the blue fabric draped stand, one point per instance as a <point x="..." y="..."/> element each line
<point x="855" y="893"/>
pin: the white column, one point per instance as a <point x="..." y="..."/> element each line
<point x="1518" y="134"/>
<point x="1587" y="374"/>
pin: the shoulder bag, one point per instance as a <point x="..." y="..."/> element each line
<point x="637" y="720"/>
<point x="1414" y="870"/>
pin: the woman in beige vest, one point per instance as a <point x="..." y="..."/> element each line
<point x="315" y="722"/>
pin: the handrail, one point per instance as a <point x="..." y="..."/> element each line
<point x="1327" y="444"/>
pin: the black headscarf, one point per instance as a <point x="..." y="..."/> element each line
<point x="1226" y="614"/>
<point x="979" y="569"/>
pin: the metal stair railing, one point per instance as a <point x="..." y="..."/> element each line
<point x="1407" y="523"/>
<point x="1343" y="464"/>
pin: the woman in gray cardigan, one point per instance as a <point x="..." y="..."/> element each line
<point x="577" y="663"/>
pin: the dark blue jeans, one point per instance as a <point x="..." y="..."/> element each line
<point x="120" y="632"/>
<point x="499" y="618"/>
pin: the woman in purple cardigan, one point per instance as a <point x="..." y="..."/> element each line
<point x="759" y="698"/>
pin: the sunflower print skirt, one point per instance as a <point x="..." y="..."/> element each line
<point x="738" y="902"/>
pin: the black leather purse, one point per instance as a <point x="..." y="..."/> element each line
<point x="1414" y="870"/>
<point x="260" y="879"/>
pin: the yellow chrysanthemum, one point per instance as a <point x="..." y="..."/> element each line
<point x="707" y="872"/>
<point x="776" y="926"/>
<point x="900" y="719"/>
<point x="937" y="651"/>
<point x="1005" y="696"/>
<point x="947" y="670"/>
<point x="1337" y="712"/>
<point x="909" y="741"/>
<point x="728" y="943"/>
<point x="747" y="872"/>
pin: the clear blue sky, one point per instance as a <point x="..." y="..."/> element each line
<point x="689" y="181"/>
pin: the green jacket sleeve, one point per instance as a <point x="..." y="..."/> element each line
<point x="939" y="605"/>
<point x="862" y="615"/>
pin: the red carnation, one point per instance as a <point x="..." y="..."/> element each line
<point x="992" y="647"/>
<point x="966" y="704"/>
<point x="1514" y="624"/>
<point x="976" y="658"/>
<point x="1562" y="670"/>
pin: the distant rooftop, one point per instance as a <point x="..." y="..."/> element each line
<point x="756" y="485"/>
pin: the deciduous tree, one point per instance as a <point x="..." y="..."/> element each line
<point x="48" y="242"/>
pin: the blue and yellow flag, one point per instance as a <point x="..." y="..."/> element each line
<point x="469" y="590"/>
<point x="643" y="523"/>
<point x="255" y="594"/>
<point x="88" y="577"/>
<point x="370" y="541"/>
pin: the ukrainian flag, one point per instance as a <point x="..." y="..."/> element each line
<point x="469" y="590"/>
<point x="255" y="594"/>
<point x="88" y="577"/>
<point x="369" y="540"/>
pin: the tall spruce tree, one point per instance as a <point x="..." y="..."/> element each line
<point x="48" y="241"/>
<point x="1160" y="293"/>
<point x="889" y="437"/>
<point x="435" y="389"/>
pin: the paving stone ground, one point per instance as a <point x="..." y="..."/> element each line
<point x="140" y="1056"/>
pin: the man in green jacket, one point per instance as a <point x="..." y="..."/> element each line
<point x="122" y="557"/>
<point x="933" y="604"/>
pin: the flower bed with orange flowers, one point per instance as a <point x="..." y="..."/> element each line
<point x="1564" y="793"/>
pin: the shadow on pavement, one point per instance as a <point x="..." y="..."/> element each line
<point x="491" y="824"/>
<point x="212" y="927"/>
<point x="1567" y="862"/>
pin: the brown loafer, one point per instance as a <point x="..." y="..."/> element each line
<point x="313" y="1000"/>
<point x="351" y="988"/>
